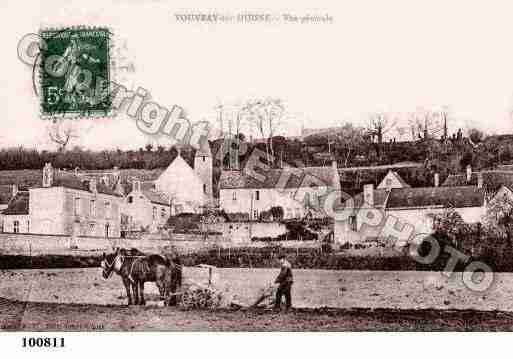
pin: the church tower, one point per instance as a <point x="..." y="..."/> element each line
<point x="203" y="168"/>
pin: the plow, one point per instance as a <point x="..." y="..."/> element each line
<point x="196" y="295"/>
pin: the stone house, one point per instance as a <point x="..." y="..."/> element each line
<point x="146" y="208"/>
<point x="365" y="217"/>
<point x="189" y="189"/>
<point x="7" y="193"/>
<point x="15" y="217"/>
<point x="65" y="204"/>
<point x="297" y="190"/>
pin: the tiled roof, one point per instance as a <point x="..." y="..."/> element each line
<point x="145" y="186"/>
<point x="5" y="194"/>
<point x="381" y="167"/>
<point x="297" y="177"/>
<point x="380" y="197"/>
<point x="457" y="197"/>
<point x="69" y="180"/>
<point x="156" y="196"/>
<point x="492" y="180"/>
<point x="19" y="204"/>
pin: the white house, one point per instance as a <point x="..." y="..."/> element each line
<point x="65" y="204"/>
<point x="297" y="190"/>
<point x="146" y="208"/>
<point x="367" y="215"/>
<point x="189" y="189"/>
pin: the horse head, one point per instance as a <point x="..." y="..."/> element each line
<point x="111" y="263"/>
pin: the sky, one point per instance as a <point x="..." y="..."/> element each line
<point x="392" y="56"/>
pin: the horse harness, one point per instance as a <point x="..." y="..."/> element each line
<point x="137" y="258"/>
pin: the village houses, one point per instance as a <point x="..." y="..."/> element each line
<point x="145" y="208"/>
<point x="296" y="190"/>
<point x="65" y="205"/>
<point x="402" y="205"/>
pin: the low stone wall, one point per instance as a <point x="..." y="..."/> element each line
<point x="34" y="244"/>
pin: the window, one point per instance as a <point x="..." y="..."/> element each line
<point x="388" y="182"/>
<point x="130" y="199"/>
<point x="154" y="212"/>
<point x="76" y="208"/>
<point x="92" y="207"/>
<point x="234" y="195"/>
<point x="16" y="227"/>
<point x="255" y="214"/>
<point x="204" y="188"/>
<point x="28" y="226"/>
<point x="91" y="229"/>
<point x="107" y="210"/>
<point x="107" y="226"/>
<point x="163" y="212"/>
<point x="352" y="223"/>
<point x="257" y="195"/>
<point x="203" y="157"/>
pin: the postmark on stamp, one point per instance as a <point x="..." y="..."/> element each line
<point x="75" y="72"/>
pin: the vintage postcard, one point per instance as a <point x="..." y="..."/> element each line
<point x="169" y="166"/>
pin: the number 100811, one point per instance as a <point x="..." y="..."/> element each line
<point x="42" y="342"/>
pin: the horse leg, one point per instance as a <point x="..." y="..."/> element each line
<point x="160" y="286"/>
<point x="141" y="289"/>
<point x="135" y="289"/>
<point x="126" y="283"/>
<point x="173" y="287"/>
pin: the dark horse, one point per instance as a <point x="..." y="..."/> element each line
<point x="136" y="268"/>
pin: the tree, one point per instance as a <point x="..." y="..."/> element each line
<point x="379" y="124"/>
<point x="350" y="138"/>
<point x="267" y="116"/>
<point x="499" y="217"/>
<point x="61" y="132"/>
<point x="451" y="224"/>
<point x="476" y="136"/>
<point x="425" y="123"/>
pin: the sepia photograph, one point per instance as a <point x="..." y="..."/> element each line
<point x="168" y="166"/>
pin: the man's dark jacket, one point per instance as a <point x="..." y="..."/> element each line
<point x="285" y="276"/>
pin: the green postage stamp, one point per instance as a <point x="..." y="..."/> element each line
<point x="74" y="72"/>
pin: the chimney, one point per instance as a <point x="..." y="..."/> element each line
<point x="119" y="188"/>
<point x="14" y="189"/>
<point x="47" y="175"/>
<point x="136" y="185"/>
<point x="469" y="173"/>
<point x="92" y="185"/>
<point x="479" y="180"/>
<point x="437" y="180"/>
<point x="368" y="194"/>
